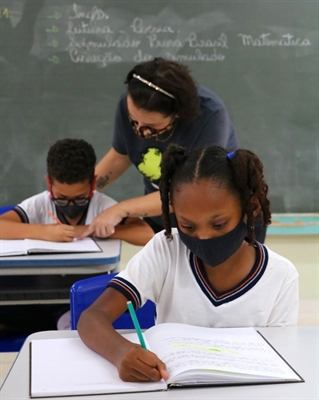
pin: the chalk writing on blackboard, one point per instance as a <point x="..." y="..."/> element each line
<point x="68" y="58"/>
<point x="92" y="30"/>
<point x="89" y="34"/>
<point x="5" y="13"/>
<point x="96" y="14"/>
<point x="139" y="26"/>
<point x="265" y="40"/>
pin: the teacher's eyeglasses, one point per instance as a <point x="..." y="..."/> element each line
<point x="146" y="132"/>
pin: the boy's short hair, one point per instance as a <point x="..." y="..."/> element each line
<point x="71" y="161"/>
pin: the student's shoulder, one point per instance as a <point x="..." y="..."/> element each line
<point x="279" y="262"/>
<point x="34" y="209"/>
<point x="37" y="199"/>
<point x="161" y="240"/>
<point x="99" y="202"/>
<point x="99" y="198"/>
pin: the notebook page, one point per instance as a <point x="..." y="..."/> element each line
<point x="230" y="350"/>
<point x="86" y="245"/>
<point x="12" y="247"/>
<point x="62" y="367"/>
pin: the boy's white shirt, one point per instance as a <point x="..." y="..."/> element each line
<point x="36" y="207"/>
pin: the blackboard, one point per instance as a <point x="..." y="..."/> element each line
<point x="63" y="64"/>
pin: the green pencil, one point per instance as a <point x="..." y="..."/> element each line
<point x="136" y="324"/>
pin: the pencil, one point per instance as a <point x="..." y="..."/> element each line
<point x="136" y="324"/>
<point x="54" y="217"/>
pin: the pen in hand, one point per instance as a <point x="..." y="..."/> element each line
<point x="160" y="366"/>
<point x="136" y="324"/>
<point x="54" y="217"/>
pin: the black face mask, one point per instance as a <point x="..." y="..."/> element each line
<point x="216" y="250"/>
<point x="72" y="211"/>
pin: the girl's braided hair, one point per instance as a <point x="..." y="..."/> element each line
<point x="240" y="173"/>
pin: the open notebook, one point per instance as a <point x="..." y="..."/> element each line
<point x="194" y="356"/>
<point x="31" y="246"/>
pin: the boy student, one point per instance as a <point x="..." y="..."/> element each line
<point x="209" y="271"/>
<point x="70" y="203"/>
<point x="61" y="213"/>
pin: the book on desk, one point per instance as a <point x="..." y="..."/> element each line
<point x="194" y="356"/>
<point x="22" y="247"/>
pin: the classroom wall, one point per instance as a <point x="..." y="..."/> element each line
<point x="303" y="251"/>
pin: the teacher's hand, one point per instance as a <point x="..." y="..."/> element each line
<point x="104" y="224"/>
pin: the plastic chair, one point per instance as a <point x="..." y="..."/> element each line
<point x="10" y="344"/>
<point x="4" y="209"/>
<point x="84" y="292"/>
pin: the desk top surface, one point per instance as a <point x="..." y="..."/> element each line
<point x="111" y="250"/>
<point x="298" y="345"/>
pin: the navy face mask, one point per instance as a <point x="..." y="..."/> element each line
<point x="72" y="211"/>
<point x="216" y="250"/>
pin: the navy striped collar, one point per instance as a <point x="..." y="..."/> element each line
<point x="219" y="298"/>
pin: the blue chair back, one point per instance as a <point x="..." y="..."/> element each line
<point x="4" y="209"/>
<point x="84" y="292"/>
<point x="12" y="344"/>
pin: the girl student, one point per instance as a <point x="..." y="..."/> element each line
<point x="209" y="271"/>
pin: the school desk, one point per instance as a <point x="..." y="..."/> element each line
<point x="298" y="345"/>
<point x="47" y="278"/>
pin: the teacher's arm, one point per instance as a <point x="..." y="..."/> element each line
<point x="134" y="231"/>
<point x="104" y="224"/>
<point x="111" y="167"/>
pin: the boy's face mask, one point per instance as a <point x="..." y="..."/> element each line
<point x="72" y="211"/>
<point x="216" y="250"/>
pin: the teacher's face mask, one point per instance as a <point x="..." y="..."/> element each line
<point x="216" y="250"/>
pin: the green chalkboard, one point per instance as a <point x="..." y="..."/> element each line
<point x="63" y="65"/>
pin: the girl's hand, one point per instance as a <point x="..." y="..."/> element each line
<point x="140" y="365"/>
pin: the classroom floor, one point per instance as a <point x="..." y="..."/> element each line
<point x="308" y="311"/>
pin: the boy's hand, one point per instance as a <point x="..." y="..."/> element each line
<point x="139" y="365"/>
<point x="59" y="233"/>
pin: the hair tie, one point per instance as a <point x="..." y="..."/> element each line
<point x="230" y="155"/>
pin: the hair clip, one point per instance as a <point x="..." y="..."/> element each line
<point x="153" y="86"/>
<point x="230" y="155"/>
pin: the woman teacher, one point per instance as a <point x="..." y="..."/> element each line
<point x="162" y="105"/>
